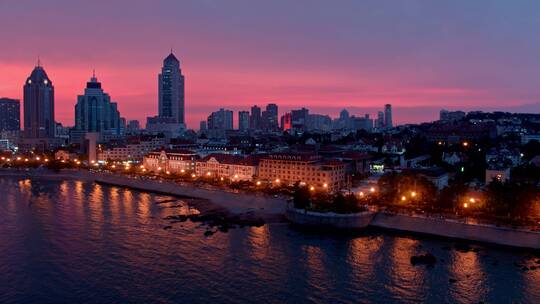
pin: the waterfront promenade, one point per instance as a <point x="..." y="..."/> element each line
<point x="273" y="209"/>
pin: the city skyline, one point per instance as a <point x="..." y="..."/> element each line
<point x="238" y="63"/>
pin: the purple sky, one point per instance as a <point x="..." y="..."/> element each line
<point x="418" y="55"/>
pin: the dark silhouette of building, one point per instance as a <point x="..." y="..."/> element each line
<point x="243" y="120"/>
<point x="270" y="117"/>
<point x="10" y="114"/>
<point x="171" y="90"/>
<point x="255" y="118"/>
<point x="39" y="105"/>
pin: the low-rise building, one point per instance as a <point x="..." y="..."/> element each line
<point x="174" y="161"/>
<point x="305" y="168"/>
<point x="235" y="167"/>
<point x="134" y="150"/>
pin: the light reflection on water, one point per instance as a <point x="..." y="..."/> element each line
<point x="72" y="241"/>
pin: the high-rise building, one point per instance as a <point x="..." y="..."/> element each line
<point x="95" y="112"/>
<point x="133" y="125"/>
<point x="380" y="120"/>
<point x="39" y="105"/>
<point x="299" y="119"/>
<point x="10" y="114"/>
<point x="171" y="90"/>
<point x="344" y="115"/>
<point x="286" y="122"/>
<point x="255" y="118"/>
<point x="202" y="125"/>
<point x="243" y="120"/>
<point x="388" y="116"/>
<point x="220" y="120"/>
<point x="269" y="117"/>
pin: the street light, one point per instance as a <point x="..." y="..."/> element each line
<point x="312" y="188"/>
<point x="372" y="189"/>
<point x="361" y="193"/>
<point x="258" y="183"/>
<point x="465" y="205"/>
<point x="413" y="194"/>
<point x="325" y="185"/>
<point x="403" y="198"/>
<point x="472" y="200"/>
<point x="277" y="180"/>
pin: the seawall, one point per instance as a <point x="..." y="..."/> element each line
<point x="458" y="230"/>
<point x="329" y="219"/>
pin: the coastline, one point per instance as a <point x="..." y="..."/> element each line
<point x="247" y="205"/>
<point x="272" y="209"/>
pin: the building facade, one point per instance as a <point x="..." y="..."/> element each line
<point x="171" y="90"/>
<point x="10" y="115"/>
<point x="220" y="120"/>
<point x="234" y="167"/>
<point x="388" y="116"/>
<point x="243" y="120"/>
<point x="95" y="112"/>
<point x="38" y="105"/>
<point x="174" y="161"/>
<point x="307" y="169"/>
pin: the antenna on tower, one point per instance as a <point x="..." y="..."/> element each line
<point x="38" y="61"/>
<point x="171" y="50"/>
<point x="94" y="73"/>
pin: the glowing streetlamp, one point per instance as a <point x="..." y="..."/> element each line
<point x="208" y="173"/>
<point x="325" y="185"/>
<point x="403" y="198"/>
<point x="193" y="175"/>
<point x="182" y="171"/>
<point x="413" y="194"/>
<point x="465" y="205"/>
<point x="472" y="200"/>
<point x="277" y="181"/>
<point x="311" y="188"/>
<point x="465" y="144"/>
<point x="361" y="194"/>
<point x="372" y="189"/>
<point x="168" y="172"/>
<point x="258" y="183"/>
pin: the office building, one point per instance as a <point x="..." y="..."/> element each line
<point x="10" y="114"/>
<point x="220" y="120"/>
<point x="388" y="116"/>
<point x="95" y="112"/>
<point x="243" y="120"/>
<point x="255" y="118"/>
<point x="269" y="118"/>
<point x="38" y="105"/>
<point x="171" y="90"/>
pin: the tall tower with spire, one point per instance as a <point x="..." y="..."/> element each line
<point x="38" y="104"/>
<point x="171" y="90"/>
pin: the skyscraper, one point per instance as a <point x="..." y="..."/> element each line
<point x="38" y="105"/>
<point x="270" y="117"/>
<point x="243" y="120"/>
<point x="94" y="111"/>
<point x="388" y="116"/>
<point x="10" y="114"/>
<point x="220" y="120"/>
<point x="255" y="118"/>
<point x="380" y="120"/>
<point x="171" y="90"/>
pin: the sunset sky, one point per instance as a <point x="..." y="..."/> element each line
<point x="420" y="56"/>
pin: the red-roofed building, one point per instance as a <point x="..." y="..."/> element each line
<point x="235" y="167"/>
<point x="174" y="161"/>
